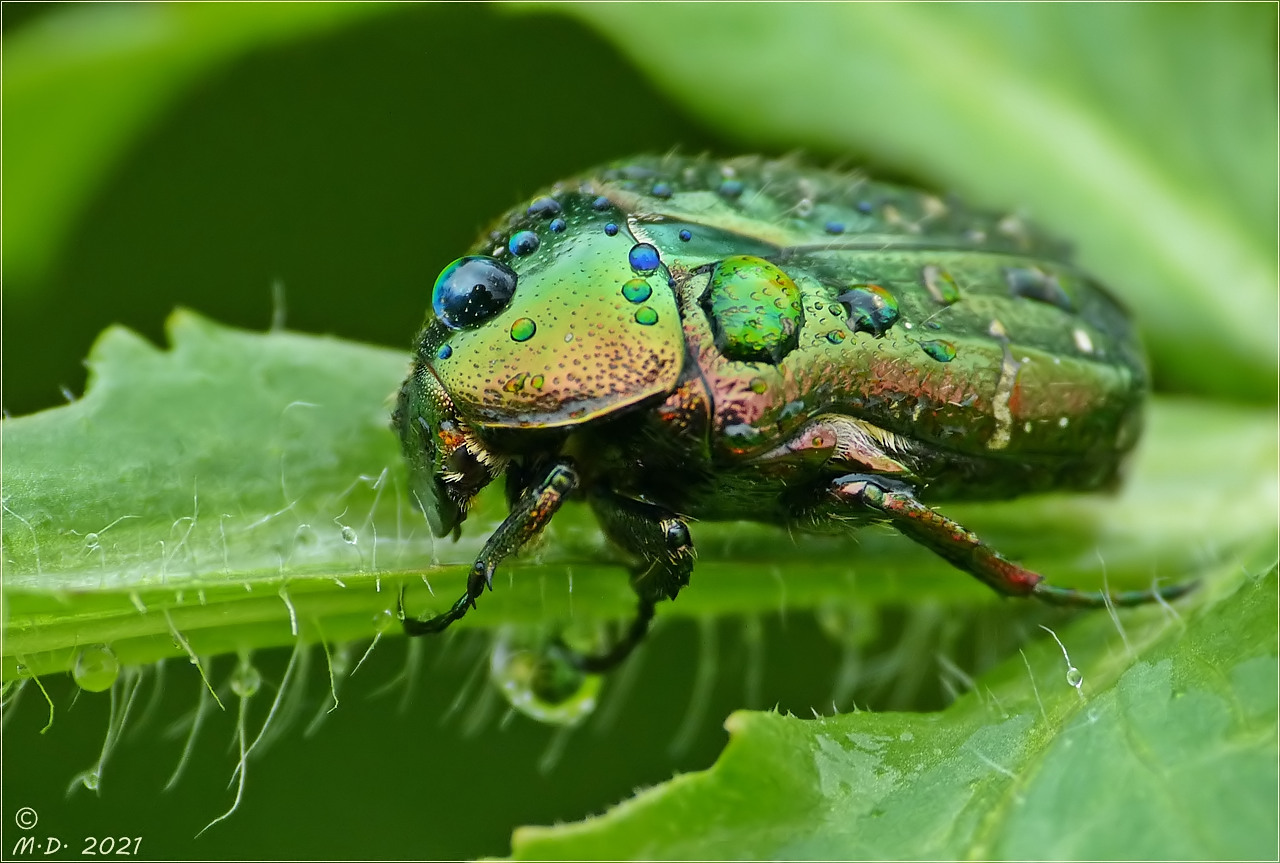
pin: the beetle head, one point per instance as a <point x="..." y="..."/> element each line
<point x="568" y="318"/>
<point x="448" y="465"/>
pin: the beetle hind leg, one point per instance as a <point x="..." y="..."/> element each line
<point x="659" y="540"/>
<point x="895" y="502"/>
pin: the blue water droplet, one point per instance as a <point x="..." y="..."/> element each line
<point x="834" y="227"/>
<point x="661" y="190"/>
<point x="863" y="206"/>
<point x="444" y="353"/>
<point x="524" y="243"/>
<point x="686" y="235"/>
<point x="611" y="229"/>
<point x="471" y="290"/>
<point x="601" y="203"/>
<point x="644" y="258"/>
<point x="731" y="188"/>
<point x="544" y="207"/>
<point x="557" y="225"/>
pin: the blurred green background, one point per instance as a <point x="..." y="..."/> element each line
<point x="345" y="153"/>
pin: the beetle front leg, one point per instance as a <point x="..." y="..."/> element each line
<point x="527" y="518"/>
<point x="660" y="540"/>
<point x="896" y="502"/>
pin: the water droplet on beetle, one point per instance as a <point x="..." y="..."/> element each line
<point x="644" y="258"/>
<point x="871" y="309"/>
<point x="444" y="353"/>
<point x="544" y="207"/>
<point x="637" y="290"/>
<point x="941" y="284"/>
<point x="661" y="190"/>
<point x="96" y="668"/>
<point x="601" y="203"/>
<point x="646" y="316"/>
<point x="731" y="188"/>
<point x="524" y="243"/>
<point x="611" y="229"/>
<point x="557" y="225"/>
<point x="522" y="329"/>
<point x="940" y="350"/>
<point x="1034" y="283"/>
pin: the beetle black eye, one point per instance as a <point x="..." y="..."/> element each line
<point x="471" y="290"/>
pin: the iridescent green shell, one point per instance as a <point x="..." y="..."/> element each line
<point x="585" y="333"/>
<point x="753" y="295"/>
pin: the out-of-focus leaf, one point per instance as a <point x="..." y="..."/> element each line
<point x="81" y="83"/>
<point x="1146" y="133"/>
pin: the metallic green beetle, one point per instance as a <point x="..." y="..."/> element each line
<point x="687" y="338"/>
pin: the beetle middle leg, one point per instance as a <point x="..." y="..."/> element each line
<point x="529" y="515"/>
<point x="659" y="540"/>
<point x="895" y="502"/>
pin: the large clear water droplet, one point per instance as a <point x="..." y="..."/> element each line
<point x="96" y="668"/>
<point x="542" y="683"/>
<point x="383" y="620"/>
<point x="246" y="680"/>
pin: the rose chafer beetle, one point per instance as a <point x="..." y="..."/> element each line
<point x="676" y="338"/>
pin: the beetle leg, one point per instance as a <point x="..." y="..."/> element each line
<point x="896" y="502"/>
<point x="660" y="540"/>
<point x="528" y="516"/>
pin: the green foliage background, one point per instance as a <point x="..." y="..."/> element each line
<point x="158" y="156"/>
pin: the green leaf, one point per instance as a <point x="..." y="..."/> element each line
<point x="244" y="489"/>
<point x="83" y="82"/>
<point x="1146" y="133"/>
<point x="1168" y="750"/>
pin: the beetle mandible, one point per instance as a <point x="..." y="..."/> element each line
<point x="688" y="338"/>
